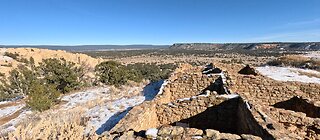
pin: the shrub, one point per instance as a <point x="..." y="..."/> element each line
<point x="18" y="82"/>
<point x="152" y="71"/>
<point x="42" y="96"/>
<point x="147" y="71"/>
<point x="42" y="85"/>
<point x="61" y="73"/>
<point x="112" y="73"/>
<point x="12" y="55"/>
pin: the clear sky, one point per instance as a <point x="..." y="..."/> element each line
<point x="74" y="22"/>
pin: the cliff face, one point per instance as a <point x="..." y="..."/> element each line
<point x="248" y="46"/>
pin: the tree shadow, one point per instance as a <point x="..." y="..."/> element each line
<point x="149" y="92"/>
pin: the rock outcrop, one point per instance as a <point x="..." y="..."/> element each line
<point x="8" y="63"/>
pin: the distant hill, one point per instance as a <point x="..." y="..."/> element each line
<point x="248" y="46"/>
<point x="88" y="47"/>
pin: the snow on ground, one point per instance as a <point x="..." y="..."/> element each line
<point x="5" y="58"/>
<point x="10" y="110"/>
<point x="10" y="126"/>
<point x="313" y="55"/>
<point x="288" y="74"/>
<point x="102" y="116"/>
<point x="84" y="96"/>
<point x="229" y="96"/>
<point x="105" y="117"/>
<point x="2" y="57"/>
<point x="4" y="102"/>
<point x="152" y="132"/>
<point x="165" y="82"/>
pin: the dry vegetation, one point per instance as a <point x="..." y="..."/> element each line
<point x="296" y="61"/>
<point x="58" y="123"/>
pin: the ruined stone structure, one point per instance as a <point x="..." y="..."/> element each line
<point x="226" y="105"/>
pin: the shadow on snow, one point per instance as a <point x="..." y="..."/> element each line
<point x="149" y="92"/>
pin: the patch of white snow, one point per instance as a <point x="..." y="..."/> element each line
<point x="165" y="82"/>
<point x="83" y="97"/>
<point x="184" y="99"/>
<point x="288" y="74"/>
<point x="10" y="110"/>
<point x="229" y="96"/>
<point x="152" y="132"/>
<point x="105" y="117"/>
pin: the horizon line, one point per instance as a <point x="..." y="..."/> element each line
<point x="260" y="42"/>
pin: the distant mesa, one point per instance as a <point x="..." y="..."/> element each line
<point x="248" y="46"/>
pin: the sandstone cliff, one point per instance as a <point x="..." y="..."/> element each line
<point x="8" y="63"/>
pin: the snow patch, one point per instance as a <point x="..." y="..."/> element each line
<point x="83" y="97"/>
<point x="10" y="126"/>
<point x="4" y="102"/>
<point x="288" y="74"/>
<point x="184" y="99"/>
<point x="152" y="132"/>
<point x="172" y="105"/>
<point x="313" y="55"/>
<point x="10" y="110"/>
<point x="196" y="137"/>
<point x="229" y="96"/>
<point x="105" y="117"/>
<point x="5" y="58"/>
<point x="165" y="82"/>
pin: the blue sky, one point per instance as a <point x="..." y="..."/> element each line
<point x="76" y="22"/>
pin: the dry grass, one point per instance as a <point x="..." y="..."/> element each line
<point x="53" y="125"/>
<point x="297" y="61"/>
<point x="293" y="59"/>
<point x="58" y="123"/>
<point x="10" y="117"/>
<point x="309" y="74"/>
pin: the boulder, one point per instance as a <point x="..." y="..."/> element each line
<point x="214" y="134"/>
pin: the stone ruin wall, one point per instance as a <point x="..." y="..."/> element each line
<point x="265" y="93"/>
<point x="144" y="116"/>
<point x="257" y="90"/>
<point x="139" y="118"/>
<point x="183" y="109"/>
<point x="184" y="84"/>
<point x="266" y="90"/>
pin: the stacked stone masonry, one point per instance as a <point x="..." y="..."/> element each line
<point x="186" y="105"/>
